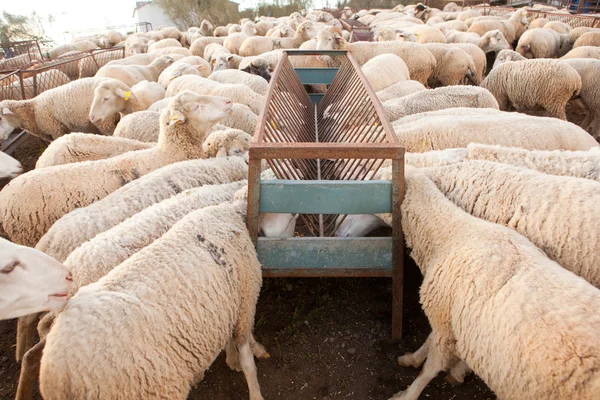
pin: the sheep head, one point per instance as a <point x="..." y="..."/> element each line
<point x="162" y="62"/>
<point x="230" y="142"/>
<point x="35" y="282"/>
<point x="9" y="167"/>
<point x="110" y="97"/>
<point x="202" y="112"/>
<point x="9" y="121"/>
<point x="259" y="67"/>
<point x="330" y="39"/>
<point x="306" y="31"/>
<point x="222" y="62"/>
<point x="494" y="41"/>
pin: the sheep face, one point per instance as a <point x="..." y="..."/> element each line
<point x="327" y="40"/>
<point x="358" y="225"/>
<point x="495" y="42"/>
<point x="9" y="167"/>
<point x="260" y="69"/>
<point x="197" y="109"/>
<point x="8" y="122"/>
<point x="109" y="98"/>
<point x="223" y="62"/>
<point x="31" y="281"/>
<point x="277" y="225"/>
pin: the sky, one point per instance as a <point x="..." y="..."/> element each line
<point x="72" y="15"/>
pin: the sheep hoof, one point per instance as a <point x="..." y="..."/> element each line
<point x="452" y="380"/>
<point x="263" y="356"/>
<point x="406" y="361"/>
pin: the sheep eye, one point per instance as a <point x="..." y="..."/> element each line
<point x="10" y="267"/>
<point x="105" y="99"/>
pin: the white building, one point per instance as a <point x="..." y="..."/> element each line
<point x="150" y="11"/>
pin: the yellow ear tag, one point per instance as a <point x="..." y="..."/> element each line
<point x="127" y="96"/>
<point x="274" y="125"/>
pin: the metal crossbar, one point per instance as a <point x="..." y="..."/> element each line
<point x="323" y="155"/>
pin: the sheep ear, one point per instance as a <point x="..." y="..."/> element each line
<point x="213" y="61"/>
<point x="246" y="69"/>
<point x="338" y="37"/>
<point x="6" y="111"/>
<point x="125" y="95"/>
<point x="177" y="117"/>
<point x="508" y="58"/>
<point x="493" y="40"/>
<point x="229" y="58"/>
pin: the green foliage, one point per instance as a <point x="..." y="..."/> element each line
<point x="14" y="27"/>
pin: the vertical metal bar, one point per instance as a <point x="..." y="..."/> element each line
<point x="253" y="197"/>
<point x="397" y="247"/>
<point x="35" y="93"/>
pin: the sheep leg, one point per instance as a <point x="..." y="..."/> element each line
<point x="587" y="122"/>
<point x="232" y="356"/>
<point x="433" y="365"/>
<point x="25" y="334"/>
<point x="30" y="371"/>
<point x="258" y="349"/>
<point x="457" y="373"/>
<point x="418" y="357"/>
<point x="557" y="111"/>
<point x="249" y="368"/>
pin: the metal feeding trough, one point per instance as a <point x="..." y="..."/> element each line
<point x="323" y="151"/>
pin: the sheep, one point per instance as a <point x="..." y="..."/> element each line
<point x="399" y="89"/>
<point x="221" y="31"/>
<point x="539" y="43"/>
<point x="257" y="66"/>
<point x="139" y="59"/>
<point x="479" y="59"/>
<point x="31" y="281"/>
<point x="161" y="44"/>
<point x="154" y="35"/>
<point x="438" y="99"/>
<point x="591" y="38"/>
<point x="9" y="167"/>
<point x="507" y="55"/>
<point x="220" y="259"/>
<point x="132" y="74"/>
<point x="423" y="34"/>
<point x="143" y="126"/>
<point x="206" y="28"/>
<point x="559" y="27"/>
<point x="238" y="93"/>
<point x="136" y="44"/>
<point x="213" y="50"/>
<point x="257" y="83"/>
<point x="578" y="164"/>
<point x="198" y="46"/>
<point x="457" y="127"/>
<point x="492" y="41"/>
<point x="571" y="37"/>
<point x="418" y="59"/>
<point x="110" y="39"/>
<point x="180" y="68"/>
<point x="234" y="41"/>
<point x="83" y="224"/>
<point x="170" y="51"/>
<point x="583" y="52"/>
<point x="229" y="142"/>
<point x="385" y="70"/>
<point x="477" y="294"/>
<point x="510" y="28"/>
<point x="514" y="197"/>
<point x="44" y="81"/>
<point x="184" y="125"/>
<point x="520" y="85"/>
<point x="457" y="25"/>
<point x="452" y="66"/>
<point x="55" y="112"/>
<point x="262" y="27"/>
<point x="97" y="257"/>
<point x="254" y="45"/>
<point x="113" y="96"/>
<point x="538" y="23"/>
<point x="77" y="147"/>
<point x="170" y="32"/>
<point x="589" y="71"/>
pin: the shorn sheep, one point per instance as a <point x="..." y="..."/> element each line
<point x="184" y="126"/>
<point x="518" y="85"/>
<point x="77" y="147"/>
<point x="31" y="281"/>
<point x="438" y="99"/>
<point x="498" y="305"/>
<point x="9" y="167"/>
<point x="204" y="273"/>
<point x="55" y="112"/>
<point x="533" y="204"/>
<point x="578" y="164"/>
<point x="439" y="130"/>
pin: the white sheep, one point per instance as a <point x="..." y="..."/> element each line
<point x="578" y="164"/>
<point x="82" y="224"/>
<point x="238" y="93"/>
<point x="161" y="44"/>
<point x="438" y="99"/>
<point x="256" y="45"/>
<point x="77" y="147"/>
<point x="189" y="65"/>
<point x="591" y="38"/>
<point x="518" y="84"/>
<point x="184" y="126"/>
<point x="589" y="71"/>
<point x="583" y="52"/>
<point x="9" y="167"/>
<point x="224" y="143"/>
<point x="477" y="294"/>
<point x="132" y="74"/>
<point x="385" y="70"/>
<point x="214" y="284"/>
<point x="170" y="32"/>
<point x="44" y="81"/>
<point x="400" y="89"/>
<point x="143" y="126"/>
<point x="492" y="41"/>
<point x="254" y="82"/>
<point x="31" y="281"/>
<point x="198" y="45"/>
<point x="419" y="60"/>
<point x="171" y="51"/>
<point x="559" y="27"/>
<point x="234" y="41"/>
<point x="136" y="44"/>
<point x="533" y="204"/>
<point x="55" y="112"/>
<point x="457" y="127"/>
<point x="511" y="28"/>
<point x="539" y="43"/>
<point x="507" y="55"/>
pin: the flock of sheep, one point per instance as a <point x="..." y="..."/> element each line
<point x="137" y="207"/>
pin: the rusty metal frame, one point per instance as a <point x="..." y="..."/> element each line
<point x="347" y="136"/>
